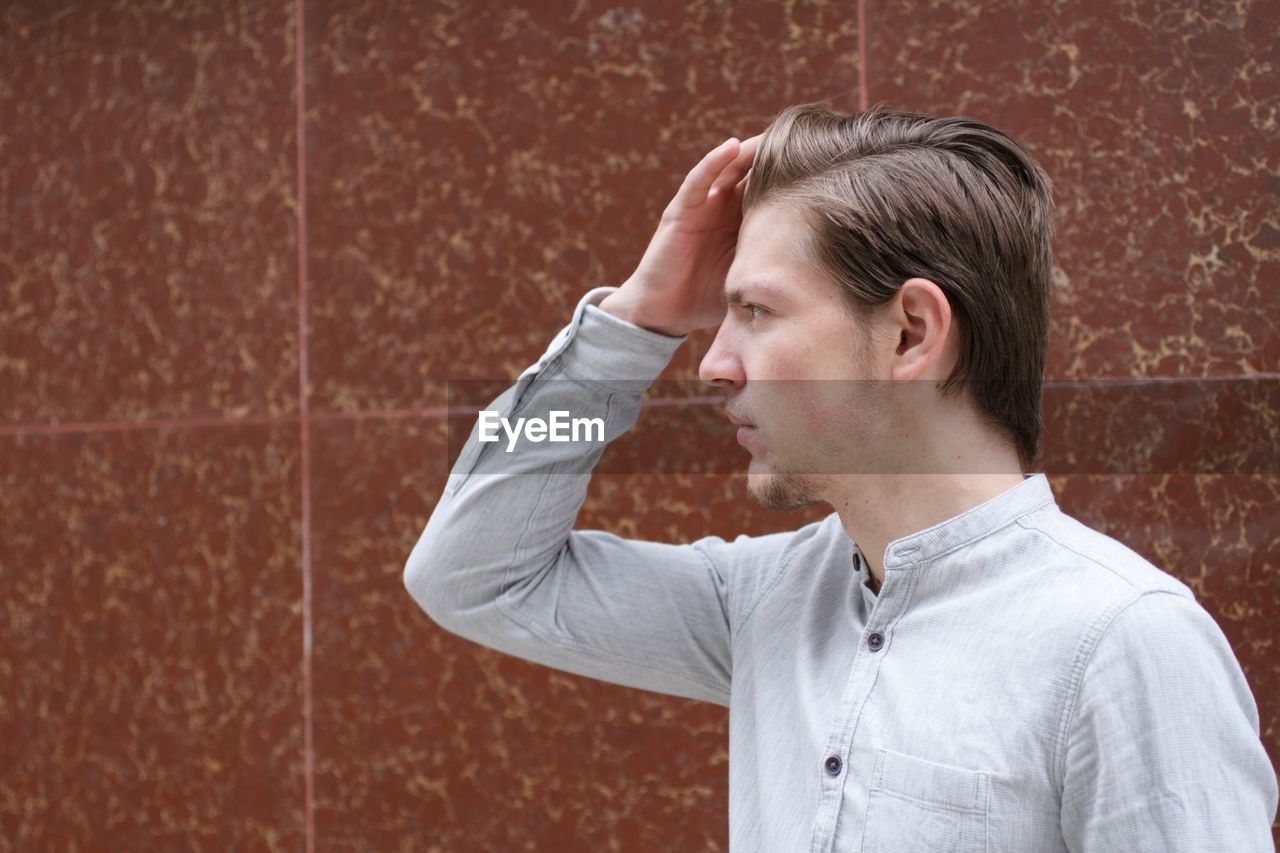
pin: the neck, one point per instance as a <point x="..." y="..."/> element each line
<point x="877" y="509"/>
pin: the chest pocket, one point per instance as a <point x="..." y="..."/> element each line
<point x="918" y="805"/>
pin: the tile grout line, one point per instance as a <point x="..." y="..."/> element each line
<point x="862" y="56"/>
<point x="304" y="424"/>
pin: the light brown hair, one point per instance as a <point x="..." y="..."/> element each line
<point x="890" y="195"/>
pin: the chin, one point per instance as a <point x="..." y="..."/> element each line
<point x="781" y="492"/>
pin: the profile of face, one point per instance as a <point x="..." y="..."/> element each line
<point x="784" y="357"/>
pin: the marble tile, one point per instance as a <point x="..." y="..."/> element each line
<point x="147" y="211"/>
<point x="151" y="681"/>
<point x="426" y="736"/>
<point x="1221" y="427"/>
<point x="481" y="166"/>
<point x="1156" y="122"/>
<point x="384" y="773"/>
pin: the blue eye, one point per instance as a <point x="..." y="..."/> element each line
<point x="752" y="309"/>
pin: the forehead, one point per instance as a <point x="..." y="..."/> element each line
<point x="768" y="256"/>
<point x="771" y="232"/>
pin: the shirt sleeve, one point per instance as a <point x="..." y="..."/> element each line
<point x="1162" y="752"/>
<point x="499" y="563"/>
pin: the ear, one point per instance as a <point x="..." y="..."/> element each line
<point x="923" y="317"/>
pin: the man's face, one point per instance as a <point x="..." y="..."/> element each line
<point x="784" y="356"/>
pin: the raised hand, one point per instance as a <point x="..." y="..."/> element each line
<point x="677" y="286"/>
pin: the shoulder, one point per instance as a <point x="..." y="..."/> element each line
<point x="1111" y="590"/>
<point x="1111" y="570"/>
<point x="1147" y="654"/>
<point x="1116" y="610"/>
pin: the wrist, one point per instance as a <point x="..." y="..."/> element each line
<point x="619" y="305"/>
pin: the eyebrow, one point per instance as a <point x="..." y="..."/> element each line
<point x="742" y="293"/>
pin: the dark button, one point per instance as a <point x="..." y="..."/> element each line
<point x="833" y="765"/>
<point x="875" y="641"/>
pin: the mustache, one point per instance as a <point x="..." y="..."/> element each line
<point x="738" y="415"/>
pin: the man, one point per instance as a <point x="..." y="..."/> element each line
<point x="947" y="661"/>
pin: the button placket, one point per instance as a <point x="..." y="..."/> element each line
<point x="883" y="610"/>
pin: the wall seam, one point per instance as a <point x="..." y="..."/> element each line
<point x="862" y="56"/>
<point x="304" y="428"/>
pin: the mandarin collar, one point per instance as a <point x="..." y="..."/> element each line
<point x="1031" y="494"/>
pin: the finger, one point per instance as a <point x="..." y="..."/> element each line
<point x="734" y="172"/>
<point x="736" y="169"/>
<point x="746" y="154"/>
<point x="740" y="192"/>
<point x="748" y="149"/>
<point x="699" y="180"/>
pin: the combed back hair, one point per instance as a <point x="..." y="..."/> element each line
<point x="890" y="195"/>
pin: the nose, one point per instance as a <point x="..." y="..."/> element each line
<point x="721" y="366"/>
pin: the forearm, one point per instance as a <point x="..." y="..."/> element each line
<point x="504" y="516"/>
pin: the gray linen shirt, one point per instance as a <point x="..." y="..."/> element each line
<point x="1020" y="683"/>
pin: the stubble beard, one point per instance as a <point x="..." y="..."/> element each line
<point x="784" y="492"/>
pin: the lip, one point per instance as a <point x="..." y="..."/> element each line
<point x="746" y="429"/>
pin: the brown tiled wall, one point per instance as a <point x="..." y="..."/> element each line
<point x="206" y="511"/>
